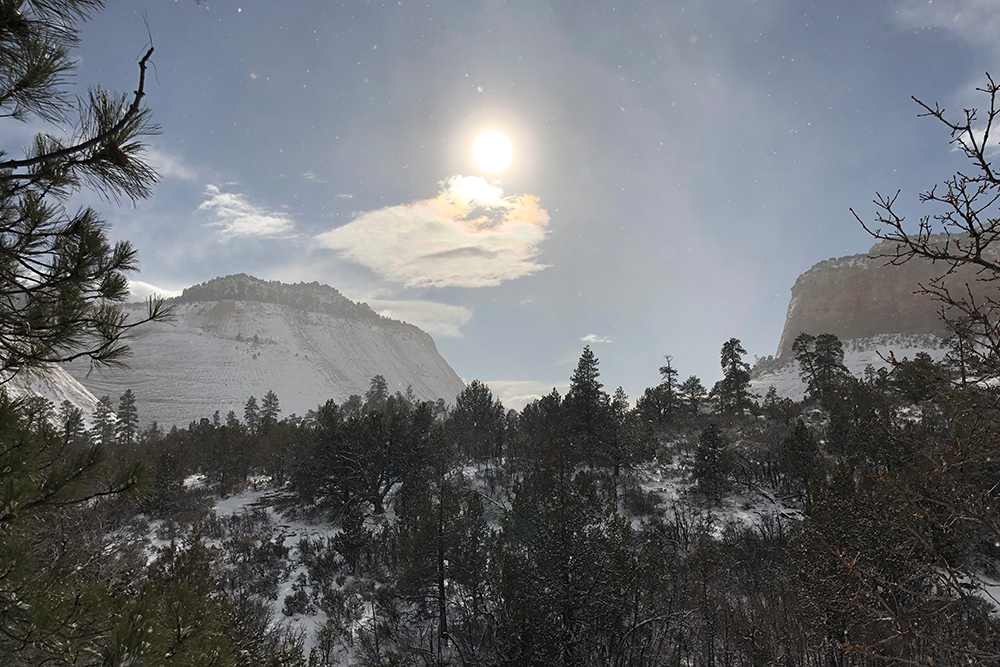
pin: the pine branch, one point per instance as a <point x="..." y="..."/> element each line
<point x="69" y="151"/>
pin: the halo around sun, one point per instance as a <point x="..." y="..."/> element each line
<point x="492" y="151"/>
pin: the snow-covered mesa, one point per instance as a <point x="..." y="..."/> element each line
<point x="236" y="337"/>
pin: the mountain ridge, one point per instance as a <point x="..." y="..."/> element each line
<point x="238" y="336"/>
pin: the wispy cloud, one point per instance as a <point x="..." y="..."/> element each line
<point x="594" y="338"/>
<point x="437" y="319"/>
<point x="311" y="176"/>
<point x="344" y="195"/>
<point x="237" y="217"/>
<point x="470" y="235"/>
<point x="168" y="165"/>
<point x="140" y="291"/>
<point x="974" y="21"/>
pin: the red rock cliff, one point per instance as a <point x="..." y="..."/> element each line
<point x="860" y="296"/>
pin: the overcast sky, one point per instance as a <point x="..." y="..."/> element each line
<point x="676" y="165"/>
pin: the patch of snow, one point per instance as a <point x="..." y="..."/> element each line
<point x="54" y="384"/>
<point x="859" y="353"/>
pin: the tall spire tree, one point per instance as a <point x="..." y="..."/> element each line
<point x="733" y="390"/>
<point x="586" y="406"/>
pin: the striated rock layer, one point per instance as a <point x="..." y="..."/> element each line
<point x="238" y="336"/>
<point x="860" y="297"/>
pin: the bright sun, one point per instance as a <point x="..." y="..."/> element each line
<point x="492" y="151"/>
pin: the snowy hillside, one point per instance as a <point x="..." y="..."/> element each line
<point x="237" y="337"/>
<point x="859" y="353"/>
<point x="54" y="384"/>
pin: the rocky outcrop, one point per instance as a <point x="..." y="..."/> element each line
<point x="861" y="296"/>
<point x="236" y="337"/>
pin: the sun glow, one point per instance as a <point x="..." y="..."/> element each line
<point x="492" y="151"/>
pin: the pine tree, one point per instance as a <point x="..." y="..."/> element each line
<point x="961" y="356"/>
<point x="733" y="390"/>
<point x="713" y="464"/>
<point x="693" y="392"/>
<point x="71" y="420"/>
<point x="63" y="282"/>
<point x="103" y="428"/>
<point x="377" y="393"/>
<point x="269" y="411"/>
<point x="128" y="419"/>
<point x="917" y="380"/>
<point x="668" y="388"/>
<point x="586" y="409"/>
<point x="821" y="363"/>
<point x="251" y="414"/>
<point x="477" y="423"/>
<point x="627" y="443"/>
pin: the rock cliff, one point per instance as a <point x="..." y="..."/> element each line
<point x="861" y="297"/>
<point x="239" y="336"/>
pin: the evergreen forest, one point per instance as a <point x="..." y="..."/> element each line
<point x="688" y="526"/>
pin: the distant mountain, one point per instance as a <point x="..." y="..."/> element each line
<point x="861" y="296"/>
<point x="239" y="336"/>
<point x="874" y="308"/>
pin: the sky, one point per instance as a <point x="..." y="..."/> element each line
<point x="676" y="165"/>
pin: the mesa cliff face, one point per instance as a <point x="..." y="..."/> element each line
<point x="861" y="297"/>
<point x="238" y="336"/>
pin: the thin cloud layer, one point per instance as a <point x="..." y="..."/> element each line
<point x="168" y="165"/>
<point x="235" y="217"/>
<point x="470" y="235"/>
<point x="437" y="319"/>
<point x="594" y="338"/>
<point x="974" y="21"/>
<point x="518" y="393"/>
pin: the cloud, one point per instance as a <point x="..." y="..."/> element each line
<point x="974" y="21"/>
<point x="140" y="291"/>
<point x="310" y="176"/>
<point x="594" y="338"/>
<point x="236" y="217"/>
<point x="518" y="393"/>
<point x="470" y="235"/>
<point x="344" y="195"/>
<point x="437" y="319"/>
<point x="964" y="141"/>
<point x="168" y="165"/>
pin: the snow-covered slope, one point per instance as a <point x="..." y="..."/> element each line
<point x="238" y="336"/>
<point x="54" y="384"/>
<point x="859" y="353"/>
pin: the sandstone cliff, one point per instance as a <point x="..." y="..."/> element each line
<point x="860" y="297"/>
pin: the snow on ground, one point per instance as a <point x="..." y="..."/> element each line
<point x="291" y="533"/>
<point x="670" y="482"/>
<point x="260" y="496"/>
<point x="859" y="353"/>
<point x="743" y="508"/>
